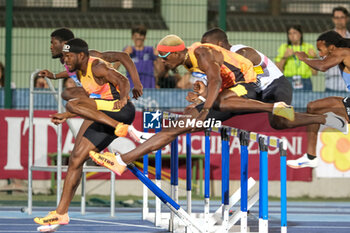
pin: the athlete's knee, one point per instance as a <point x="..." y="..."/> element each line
<point x="73" y="92"/>
<point x="75" y="160"/>
<point x="312" y="107"/>
<point x="219" y="102"/>
<point x="72" y="105"/>
<point x="67" y="94"/>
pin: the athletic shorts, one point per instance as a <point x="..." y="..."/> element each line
<point x="245" y="90"/>
<point x="346" y="102"/>
<point x="279" y="90"/>
<point x="102" y="135"/>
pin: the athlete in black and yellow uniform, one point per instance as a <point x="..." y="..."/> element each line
<point x="105" y="97"/>
<point x="107" y="112"/>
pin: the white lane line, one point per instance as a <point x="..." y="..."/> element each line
<point x="115" y="223"/>
<point x="317" y="227"/>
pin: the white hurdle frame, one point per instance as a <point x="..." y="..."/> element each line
<point x="219" y="221"/>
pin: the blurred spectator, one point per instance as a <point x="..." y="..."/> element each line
<point x="40" y="82"/>
<point x="334" y="80"/>
<point x="68" y="82"/>
<point x="297" y="72"/>
<point x="2" y="77"/>
<point x="143" y="57"/>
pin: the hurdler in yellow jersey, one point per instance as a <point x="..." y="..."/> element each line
<point x="105" y="95"/>
<point x="108" y="112"/>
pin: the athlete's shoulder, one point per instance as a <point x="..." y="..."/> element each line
<point x="344" y="52"/>
<point x="99" y="67"/>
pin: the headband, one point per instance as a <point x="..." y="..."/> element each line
<point x="169" y="48"/>
<point x="74" y="49"/>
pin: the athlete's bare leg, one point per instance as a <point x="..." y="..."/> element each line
<point x="87" y="108"/>
<point x="159" y="140"/>
<point x="228" y="101"/>
<point x="77" y="158"/>
<point x="73" y="92"/>
<point x="329" y="104"/>
<point x="301" y="119"/>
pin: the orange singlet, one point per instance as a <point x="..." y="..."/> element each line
<point x="235" y="69"/>
<point x="106" y="91"/>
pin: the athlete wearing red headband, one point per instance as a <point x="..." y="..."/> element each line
<point x="224" y="71"/>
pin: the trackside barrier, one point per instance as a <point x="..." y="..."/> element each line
<point x="220" y="220"/>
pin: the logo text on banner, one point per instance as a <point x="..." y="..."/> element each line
<point x="151" y="120"/>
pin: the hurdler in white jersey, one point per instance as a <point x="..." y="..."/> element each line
<point x="266" y="70"/>
<point x="272" y="85"/>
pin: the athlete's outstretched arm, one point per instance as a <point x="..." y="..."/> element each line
<point x="50" y="75"/>
<point x="333" y="59"/>
<point x="210" y="64"/>
<point x="125" y="60"/>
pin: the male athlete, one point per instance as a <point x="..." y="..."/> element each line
<point x="336" y="51"/>
<point x="273" y="86"/>
<point x="58" y="38"/>
<point x="96" y="77"/>
<point x="225" y="71"/>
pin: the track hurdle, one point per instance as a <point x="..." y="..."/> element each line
<point x="220" y="221"/>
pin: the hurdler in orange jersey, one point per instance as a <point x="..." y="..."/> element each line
<point x="235" y="68"/>
<point x="106" y="94"/>
<point x="106" y="91"/>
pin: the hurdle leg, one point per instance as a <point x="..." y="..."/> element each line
<point x="263" y="185"/>
<point x="225" y="178"/>
<point x="174" y="167"/>
<point x="145" y="209"/>
<point x="158" y="165"/>
<point x="83" y="194"/>
<point x="173" y="206"/>
<point x="188" y="173"/>
<point x="244" y="140"/>
<point x="207" y="179"/>
<point x="283" y="178"/>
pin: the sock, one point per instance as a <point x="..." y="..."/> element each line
<point x="130" y="128"/>
<point x="311" y="157"/>
<point x="119" y="159"/>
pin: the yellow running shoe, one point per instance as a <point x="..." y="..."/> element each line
<point x="53" y="218"/>
<point x="121" y="130"/>
<point x="108" y="160"/>
<point x="283" y="110"/>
